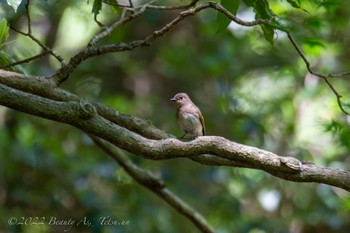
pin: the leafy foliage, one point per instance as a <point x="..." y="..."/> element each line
<point x="263" y="11"/>
<point x="4" y="31"/>
<point x="222" y="20"/>
<point x="97" y="6"/>
<point x="295" y="4"/>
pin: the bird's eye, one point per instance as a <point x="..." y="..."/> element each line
<point x="181" y="98"/>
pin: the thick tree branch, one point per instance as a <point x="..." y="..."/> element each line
<point x="155" y="185"/>
<point x="46" y="88"/>
<point x="40" y="96"/>
<point x="84" y="115"/>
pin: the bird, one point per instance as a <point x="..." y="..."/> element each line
<point x="189" y="117"/>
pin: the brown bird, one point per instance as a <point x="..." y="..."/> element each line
<point x="188" y="116"/>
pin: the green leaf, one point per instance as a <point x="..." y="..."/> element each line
<point x="313" y="42"/>
<point x="231" y="5"/>
<point x="4" y="31"/>
<point x="334" y="127"/>
<point x="268" y="33"/>
<point x="249" y="3"/>
<point x="14" y="4"/>
<point x="279" y="24"/>
<point x="96" y="7"/>
<point x="4" y="58"/>
<point x="295" y="4"/>
<point x="262" y="10"/>
<point x="7" y="59"/>
<point x="222" y="20"/>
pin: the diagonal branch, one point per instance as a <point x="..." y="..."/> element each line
<point x="32" y="37"/>
<point x="155" y="185"/>
<point x="107" y="30"/>
<point x="25" y="60"/>
<point x="83" y="115"/>
<point x="308" y="64"/>
<point x="62" y="74"/>
<point x="44" y="47"/>
<point x="324" y="77"/>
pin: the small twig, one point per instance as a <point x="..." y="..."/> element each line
<point x="107" y="31"/>
<point x="192" y="3"/>
<point x="324" y="77"/>
<point x="98" y="22"/>
<point x="153" y="7"/>
<point x="338" y="75"/>
<point x="25" y="60"/>
<point x="44" y="47"/>
<point x="28" y="17"/>
<point x="154" y="184"/>
<point x="30" y="35"/>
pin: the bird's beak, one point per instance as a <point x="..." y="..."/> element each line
<point x="173" y="99"/>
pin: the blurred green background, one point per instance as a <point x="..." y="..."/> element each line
<point x="248" y="90"/>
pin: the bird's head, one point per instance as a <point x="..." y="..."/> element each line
<point x="181" y="99"/>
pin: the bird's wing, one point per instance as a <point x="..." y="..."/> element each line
<point x="201" y="118"/>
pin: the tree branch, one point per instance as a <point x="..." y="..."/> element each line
<point x="324" y="77"/>
<point x="156" y="7"/>
<point x="25" y="60"/>
<point x="83" y="115"/>
<point x="46" y="88"/>
<point x="150" y="6"/>
<point x="155" y="185"/>
<point x="31" y="36"/>
<point x="44" y="47"/>
<point x="107" y="30"/>
<point x="62" y="74"/>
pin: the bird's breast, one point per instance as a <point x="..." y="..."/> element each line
<point x="190" y="123"/>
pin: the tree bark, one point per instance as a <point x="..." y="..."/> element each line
<point x="37" y="96"/>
